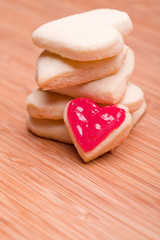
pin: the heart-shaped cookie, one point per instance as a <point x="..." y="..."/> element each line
<point x="88" y="36"/>
<point x="95" y="130"/>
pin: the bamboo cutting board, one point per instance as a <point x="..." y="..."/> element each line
<point x="46" y="191"/>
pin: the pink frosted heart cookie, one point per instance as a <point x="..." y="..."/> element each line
<point x="95" y="130"/>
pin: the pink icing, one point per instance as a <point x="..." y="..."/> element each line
<point x="90" y="123"/>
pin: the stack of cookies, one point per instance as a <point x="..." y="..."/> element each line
<point x="85" y="57"/>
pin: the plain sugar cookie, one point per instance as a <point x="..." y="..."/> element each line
<point x="45" y="104"/>
<point x="48" y="128"/>
<point x="50" y="105"/>
<point x="138" y="114"/>
<point x="54" y="71"/>
<point x="87" y="36"/>
<point x="133" y="98"/>
<point x="109" y="90"/>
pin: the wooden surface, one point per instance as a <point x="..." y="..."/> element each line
<point x="46" y="191"/>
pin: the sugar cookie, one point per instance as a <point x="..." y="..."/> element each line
<point x="95" y="130"/>
<point x="54" y="71"/>
<point x="107" y="90"/>
<point x="138" y="114"/>
<point x="133" y="97"/>
<point x="48" y="128"/>
<point x="49" y="105"/>
<point x="45" y="104"/>
<point x="87" y="36"/>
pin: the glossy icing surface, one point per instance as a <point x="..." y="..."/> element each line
<point x="90" y="123"/>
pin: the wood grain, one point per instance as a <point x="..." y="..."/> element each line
<point x="46" y="191"/>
